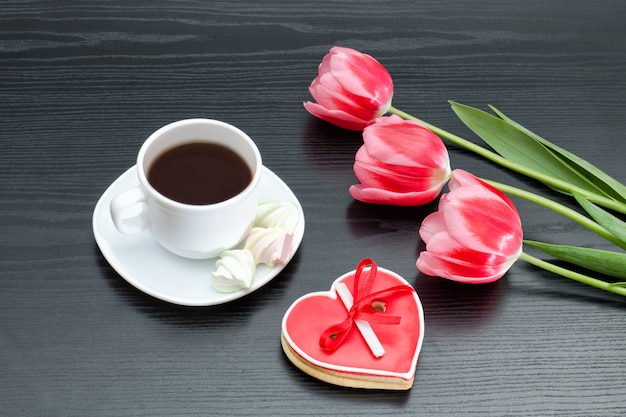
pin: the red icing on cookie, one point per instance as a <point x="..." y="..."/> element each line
<point x="311" y="315"/>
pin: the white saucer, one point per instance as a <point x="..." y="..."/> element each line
<point x="142" y="262"/>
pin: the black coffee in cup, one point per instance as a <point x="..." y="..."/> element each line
<point x="199" y="173"/>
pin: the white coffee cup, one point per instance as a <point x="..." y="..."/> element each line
<point x="190" y="230"/>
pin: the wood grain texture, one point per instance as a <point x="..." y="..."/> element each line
<point x="82" y="84"/>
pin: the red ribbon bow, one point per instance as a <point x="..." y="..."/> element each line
<point x="362" y="308"/>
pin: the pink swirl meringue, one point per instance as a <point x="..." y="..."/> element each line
<point x="234" y="270"/>
<point x="270" y="246"/>
<point x="283" y="214"/>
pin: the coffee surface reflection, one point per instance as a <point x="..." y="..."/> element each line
<point x="199" y="173"/>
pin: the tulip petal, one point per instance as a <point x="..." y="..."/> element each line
<point x="377" y="174"/>
<point x="336" y="117"/>
<point x="449" y="269"/>
<point x="330" y="94"/>
<point x="446" y="258"/>
<point x="382" y="196"/>
<point x="444" y="245"/>
<point x="395" y="141"/>
<point x="360" y="74"/>
<point x="481" y="221"/>
<point x="463" y="178"/>
<point x="433" y="223"/>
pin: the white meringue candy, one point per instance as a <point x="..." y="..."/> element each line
<point x="234" y="270"/>
<point x="270" y="246"/>
<point x="283" y="214"/>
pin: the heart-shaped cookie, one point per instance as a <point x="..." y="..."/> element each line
<point x="369" y="337"/>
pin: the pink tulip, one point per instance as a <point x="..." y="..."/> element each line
<point x="351" y="90"/>
<point x="400" y="163"/>
<point x="474" y="237"/>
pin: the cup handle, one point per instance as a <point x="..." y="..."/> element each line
<point x="124" y="213"/>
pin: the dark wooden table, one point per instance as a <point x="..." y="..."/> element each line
<point x="82" y="84"/>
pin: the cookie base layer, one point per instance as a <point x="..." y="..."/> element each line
<point x="344" y="379"/>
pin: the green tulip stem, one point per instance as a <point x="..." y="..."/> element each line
<point x="616" y="288"/>
<point x="494" y="157"/>
<point x="559" y="208"/>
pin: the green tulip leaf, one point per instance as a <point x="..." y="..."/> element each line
<point x="601" y="179"/>
<point x="518" y="146"/>
<point x="605" y="262"/>
<point x="605" y="219"/>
